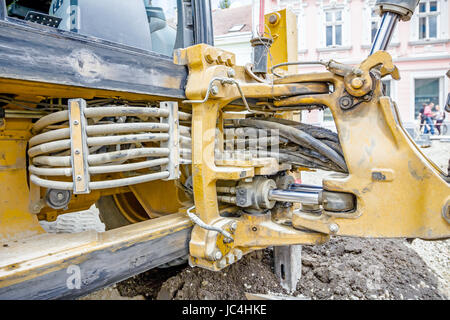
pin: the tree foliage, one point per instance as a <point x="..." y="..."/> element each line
<point x="224" y="4"/>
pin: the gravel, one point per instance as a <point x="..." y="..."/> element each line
<point x="436" y="255"/>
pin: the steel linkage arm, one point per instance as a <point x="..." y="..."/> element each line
<point x="387" y="174"/>
<point x="214" y="81"/>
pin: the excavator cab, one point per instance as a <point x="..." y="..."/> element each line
<point x="152" y="25"/>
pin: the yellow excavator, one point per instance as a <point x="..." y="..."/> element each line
<point x="128" y="105"/>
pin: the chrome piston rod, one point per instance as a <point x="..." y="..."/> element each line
<point x="306" y="196"/>
<point x="385" y="31"/>
<point x="310" y="195"/>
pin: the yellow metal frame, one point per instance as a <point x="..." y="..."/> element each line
<point x="392" y="192"/>
<point x="204" y="244"/>
<point x="15" y="218"/>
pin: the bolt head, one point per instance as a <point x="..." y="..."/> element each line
<point x="211" y="55"/>
<point x="76" y="122"/>
<point x="357" y="72"/>
<point x="345" y="102"/>
<point x="217" y="255"/>
<point x="231" y="73"/>
<point x="357" y="83"/>
<point x="233" y="226"/>
<point x="230" y="258"/>
<point x="333" y="228"/>
<point x="79" y="178"/>
<point x="221" y="58"/>
<point x="273" y="19"/>
<point x="229" y="60"/>
<point x="238" y="254"/>
<point x="222" y="263"/>
<point x="214" y="90"/>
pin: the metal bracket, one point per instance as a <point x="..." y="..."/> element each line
<point x="42" y="18"/>
<point x="78" y="144"/>
<point x="172" y="143"/>
<point x="288" y="265"/>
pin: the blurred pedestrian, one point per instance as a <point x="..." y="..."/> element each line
<point x="439" y="115"/>
<point x="428" y="113"/>
<point x="422" y="117"/>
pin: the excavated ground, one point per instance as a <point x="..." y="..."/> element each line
<point x="343" y="268"/>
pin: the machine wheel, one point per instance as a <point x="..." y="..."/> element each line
<point x="123" y="209"/>
<point x="120" y="210"/>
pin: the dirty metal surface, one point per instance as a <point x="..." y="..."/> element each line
<point x="33" y="52"/>
<point x="90" y="261"/>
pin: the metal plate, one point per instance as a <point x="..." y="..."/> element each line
<point x="43" y="19"/>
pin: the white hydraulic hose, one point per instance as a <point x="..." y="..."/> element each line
<point x="203" y="225"/>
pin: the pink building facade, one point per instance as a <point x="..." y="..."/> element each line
<point x="343" y="29"/>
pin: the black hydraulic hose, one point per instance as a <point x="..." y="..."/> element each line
<point x="329" y="165"/>
<point x="316" y="132"/>
<point x="334" y="145"/>
<point x="301" y="162"/>
<point x="327" y="136"/>
<point x="310" y="155"/>
<point x="299" y="137"/>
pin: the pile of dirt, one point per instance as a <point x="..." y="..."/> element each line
<point x="351" y="268"/>
<point x="343" y="268"/>
<point x="253" y="273"/>
<point x="147" y="284"/>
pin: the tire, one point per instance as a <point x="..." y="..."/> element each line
<point x="110" y="215"/>
<point x="113" y="218"/>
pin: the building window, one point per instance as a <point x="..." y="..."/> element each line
<point x="327" y="116"/>
<point x="428" y="19"/>
<point x="374" y="23"/>
<point x="333" y="28"/>
<point x="236" y="28"/>
<point x="425" y="91"/>
<point x="386" y="88"/>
